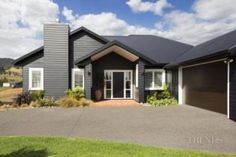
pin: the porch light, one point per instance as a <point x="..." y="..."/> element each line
<point x="89" y="73"/>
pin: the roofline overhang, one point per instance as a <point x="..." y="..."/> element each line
<point x="220" y="54"/>
<point x="18" y="61"/>
<point x="108" y="45"/>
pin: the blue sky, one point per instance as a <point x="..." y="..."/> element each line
<point x="188" y="21"/>
<point x="121" y="9"/>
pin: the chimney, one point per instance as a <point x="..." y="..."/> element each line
<point x="56" y="59"/>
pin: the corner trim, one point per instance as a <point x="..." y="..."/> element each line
<point x="180" y="85"/>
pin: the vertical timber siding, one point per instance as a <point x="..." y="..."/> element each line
<point x="33" y="63"/>
<point x="172" y="81"/>
<point x="233" y="90"/>
<point x="88" y="81"/>
<point x="141" y="84"/>
<point x="111" y="61"/>
<point x="56" y="71"/>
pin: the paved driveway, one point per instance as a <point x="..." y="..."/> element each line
<point x="175" y="126"/>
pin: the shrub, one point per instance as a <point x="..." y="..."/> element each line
<point x="77" y="92"/>
<point x="36" y="95"/>
<point x="165" y="94"/>
<point x="46" y="102"/>
<point x="163" y="98"/>
<point x="166" y="102"/>
<point x="24" y="98"/>
<point x="85" y="102"/>
<point x="68" y="102"/>
<point x="73" y="102"/>
<point x="34" y="104"/>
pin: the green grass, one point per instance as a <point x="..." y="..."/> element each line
<point x="69" y="147"/>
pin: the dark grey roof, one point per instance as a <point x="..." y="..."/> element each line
<point x="82" y="28"/>
<point x="217" y="46"/>
<point x="22" y="58"/>
<point x="40" y="49"/>
<point x="157" y="48"/>
<point x="115" y="42"/>
<point x="154" y="48"/>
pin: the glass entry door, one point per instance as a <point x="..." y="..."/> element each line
<point x="118" y="84"/>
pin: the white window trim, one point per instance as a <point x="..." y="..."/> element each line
<point x="73" y="78"/>
<point x="163" y="78"/>
<point x="30" y="78"/>
<point x="131" y="85"/>
<point x="136" y="75"/>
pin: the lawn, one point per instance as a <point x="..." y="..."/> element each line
<point x="70" y="147"/>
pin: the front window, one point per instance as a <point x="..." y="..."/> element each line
<point x="154" y="79"/>
<point x="35" y="78"/>
<point x="78" y="78"/>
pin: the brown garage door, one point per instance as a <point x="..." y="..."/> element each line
<point x="205" y="86"/>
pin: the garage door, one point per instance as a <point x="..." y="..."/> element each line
<point x="205" y="86"/>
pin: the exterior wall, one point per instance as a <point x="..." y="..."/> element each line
<point x="83" y="44"/>
<point x="233" y="90"/>
<point x="33" y="63"/>
<point x="141" y="84"/>
<point x="56" y="59"/>
<point x="88" y="73"/>
<point x="111" y="61"/>
<point x="172" y="81"/>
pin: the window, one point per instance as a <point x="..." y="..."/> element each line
<point x="77" y="77"/>
<point x="108" y="84"/>
<point x="35" y="78"/>
<point x="128" y="85"/>
<point x="154" y="79"/>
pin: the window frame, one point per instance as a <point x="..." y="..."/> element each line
<point x="163" y="81"/>
<point x="41" y="70"/>
<point x="136" y="75"/>
<point x="73" y="76"/>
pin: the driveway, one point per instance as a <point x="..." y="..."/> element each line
<point x="174" y="126"/>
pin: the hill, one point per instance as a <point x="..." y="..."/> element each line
<point x="5" y="63"/>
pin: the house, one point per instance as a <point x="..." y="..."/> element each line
<point x="131" y="67"/>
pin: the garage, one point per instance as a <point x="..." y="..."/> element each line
<point x="205" y="86"/>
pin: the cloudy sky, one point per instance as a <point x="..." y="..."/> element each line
<point x="189" y="21"/>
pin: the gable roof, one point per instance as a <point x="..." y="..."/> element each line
<point x="40" y="49"/>
<point x="22" y="58"/>
<point x="154" y="49"/>
<point x="117" y="43"/>
<point x="160" y="49"/>
<point x="82" y="28"/>
<point x="222" y="45"/>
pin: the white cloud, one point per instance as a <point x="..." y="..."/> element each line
<point x="204" y="22"/>
<point x="105" y="23"/>
<point x="207" y="20"/>
<point x="155" y="7"/>
<point x="21" y="24"/>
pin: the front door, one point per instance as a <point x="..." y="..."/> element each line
<point x="117" y="84"/>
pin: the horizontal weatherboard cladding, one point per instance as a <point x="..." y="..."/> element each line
<point x="56" y="62"/>
<point x="35" y="63"/>
<point x="82" y="44"/>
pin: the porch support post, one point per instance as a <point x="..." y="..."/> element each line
<point x="88" y="81"/>
<point x="141" y="86"/>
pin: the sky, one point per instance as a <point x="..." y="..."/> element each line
<point x="188" y="21"/>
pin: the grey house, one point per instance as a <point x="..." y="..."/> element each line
<point x="131" y="67"/>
